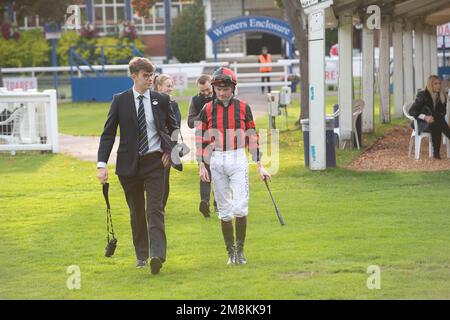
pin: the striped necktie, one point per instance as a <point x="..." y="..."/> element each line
<point x="143" y="139"/>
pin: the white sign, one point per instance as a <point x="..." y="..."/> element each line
<point x="308" y="3"/>
<point x="52" y="35"/>
<point x="180" y="80"/>
<point x="311" y="5"/>
<point x="331" y="71"/>
<point x="24" y="83"/>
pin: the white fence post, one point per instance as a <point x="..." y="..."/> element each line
<point x="54" y="138"/>
<point x="28" y="131"/>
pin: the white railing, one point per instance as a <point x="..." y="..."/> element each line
<point x="285" y="64"/>
<point x="37" y="128"/>
<point x="193" y="70"/>
<point x="197" y="68"/>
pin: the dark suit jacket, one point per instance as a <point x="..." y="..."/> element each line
<point x="123" y="113"/>
<point x="424" y="105"/>
<point x="197" y="103"/>
<point x="176" y="111"/>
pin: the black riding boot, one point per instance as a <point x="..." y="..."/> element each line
<point x="227" y="230"/>
<point x="241" y="228"/>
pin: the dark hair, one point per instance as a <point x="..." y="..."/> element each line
<point x="138" y="63"/>
<point x="204" y="78"/>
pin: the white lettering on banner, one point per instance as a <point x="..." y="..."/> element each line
<point x="23" y="83"/>
<point x="251" y="23"/>
<point x="268" y="25"/>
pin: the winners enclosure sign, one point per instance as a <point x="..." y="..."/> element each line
<point x="251" y="24"/>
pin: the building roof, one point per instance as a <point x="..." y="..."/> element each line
<point x="433" y="12"/>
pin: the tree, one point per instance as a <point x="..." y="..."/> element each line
<point x="296" y="17"/>
<point x="49" y="11"/>
<point x="142" y="7"/>
<point x="187" y="34"/>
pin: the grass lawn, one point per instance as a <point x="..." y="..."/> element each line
<point x="88" y="118"/>
<point x="338" y="223"/>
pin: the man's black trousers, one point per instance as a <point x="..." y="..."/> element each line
<point x="147" y="219"/>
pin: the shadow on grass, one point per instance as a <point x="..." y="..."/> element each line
<point x="27" y="162"/>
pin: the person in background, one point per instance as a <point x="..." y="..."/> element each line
<point x="429" y="109"/>
<point x="204" y="96"/>
<point x="265" y="57"/>
<point x="163" y="83"/>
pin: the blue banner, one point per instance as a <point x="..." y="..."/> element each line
<point x="234" y="26"/>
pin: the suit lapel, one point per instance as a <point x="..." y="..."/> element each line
<point x="155" y="105"/>
<point x="132" y="105"/>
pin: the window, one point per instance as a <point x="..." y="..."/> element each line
<point x="156" y="21"/>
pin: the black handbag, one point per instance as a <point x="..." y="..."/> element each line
<point x="111" y="241"/>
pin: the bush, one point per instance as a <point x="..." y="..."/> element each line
<point x="30" y="50"/>
<point x="33" y="50"/>
<point x="68" y="39"/>
<point x="94" y="56"/>
<point x="187" y="35"/>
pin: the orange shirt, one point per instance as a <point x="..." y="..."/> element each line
<point x="266" y="59"/>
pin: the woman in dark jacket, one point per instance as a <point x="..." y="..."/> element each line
<point x="164" y="83"/>
<point x="429" y="109"/>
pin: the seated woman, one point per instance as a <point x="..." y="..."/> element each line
<point x="429" y="109"/>
<point x="164" y="83"/>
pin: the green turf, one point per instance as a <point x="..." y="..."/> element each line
<point x="338" y="223"/>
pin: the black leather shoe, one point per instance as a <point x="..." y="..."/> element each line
<point x="204" y="209"/>
<point x="141" y="264"/>
<point x="155" y="265"/>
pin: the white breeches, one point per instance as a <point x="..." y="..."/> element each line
<point x="229" y="170"/>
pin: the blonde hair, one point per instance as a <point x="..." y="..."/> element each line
<point x="429" y="87"/>
<point x="159" y="80"/>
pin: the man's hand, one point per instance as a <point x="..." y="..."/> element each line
<point x="204" y="176"/>
<point x="102" y="175"/>
<point x="263" y="173"/>
<point x="429" y="119"/>
<point x="165" y="159"/>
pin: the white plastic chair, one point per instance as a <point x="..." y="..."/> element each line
<point x="416" y="137"/>
<point x="358" y="106"/>
<point x="16" y="117"/>
<point x="357" y="109"/>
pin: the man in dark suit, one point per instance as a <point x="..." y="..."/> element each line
<point x="146" y="124"/>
